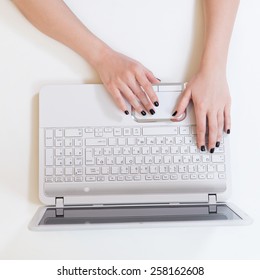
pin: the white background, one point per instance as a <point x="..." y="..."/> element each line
<point x="166" y="36"/>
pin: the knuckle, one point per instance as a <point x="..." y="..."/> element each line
<point x="201" y="130"/>
<point x="117" y="97"/>
<point x="136" y="67"/>
<point x="213" y="128"/>
<point x="201" y="106"/>
<point x="146" y="85"/>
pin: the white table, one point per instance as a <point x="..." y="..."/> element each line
<point x="167" y="39"/>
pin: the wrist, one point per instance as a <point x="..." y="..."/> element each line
<point x="213" y="61"/>
<point x="214" y="66"/>
<point x="96" y="52"/>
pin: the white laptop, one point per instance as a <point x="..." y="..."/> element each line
<point x="99" y="167"/>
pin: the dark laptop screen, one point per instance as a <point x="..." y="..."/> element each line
<point x="137" y="214"/>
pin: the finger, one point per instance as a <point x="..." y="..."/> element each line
<point x="132" y="99"/>
<point x="150" y="76"/>
<point x="201" y="128"/>
<point x="227" y="120"/>
<point x="213" y="130"/>
<point x="182" y="103"/>
<point x="119" y="100"/>
<point x="142" y="97"/>
<point x="147" y="87"/>
<point x="220" y="119"/>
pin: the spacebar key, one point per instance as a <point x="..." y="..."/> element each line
<point x="96" y="142"/>
<point x="149" y="131"/>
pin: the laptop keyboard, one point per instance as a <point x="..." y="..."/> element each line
<point x="118" y="154"/>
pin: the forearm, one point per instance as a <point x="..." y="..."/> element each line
<point x="219" y="20"/>
<point x="56" y="20"/>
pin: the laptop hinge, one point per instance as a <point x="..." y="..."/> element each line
<point x="59" y="202"/>
<point x="212" y="199"/>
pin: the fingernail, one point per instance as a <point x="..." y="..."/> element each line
<point x="158" y="79"/>
<point x="174" y="114"/>
<point x="202" y="148"/>
<point x="228" y="131"/>
<point x="143" y="113"/>
<point x="212" y="150"/>
<point x="156" y="103"/>
<point x="217" y="144"/>
<point x="152" y="111"/>
<point x="126" y="112"/>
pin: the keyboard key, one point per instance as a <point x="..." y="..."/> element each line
<point x="89" y="156"/>
<point x="58" y="142"/>
<point x="58" y="171"/>
<point x="49" y="171"/>
<point x="78" y="142"/>
<point x="221" y="167"/>
<point x="68" y="142"/>
<point x="48" y="133"/>
<point x="117" y="131"/>
<point x="112" y="141"/>
<point x="68" y="171"/>
<point x="78" y="171"/>
<point x="184" y="130"/>
<point x="137" y="131"/>
<point x="68" y="161"/>
<point x="59" y="161"/>
<point x="78" y="178"/>
<point x="68" y="152"/>
<point x="127" y="131"/>
<point x="96" y="142"/>
<point x="49" y="142"/>
<point x="159" y="130"/>
<point x="218" y="158"/>
<point x="58" y="132"/>
<point x="49" y="157"/>
<point x="92" y="171"/>
<point x="174" y="177"/>
<point x="78" y="161"/>
<point x="73" y="132"/>
<point x="90" y="178"/>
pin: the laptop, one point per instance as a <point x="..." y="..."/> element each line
<point x="101" y="168"/>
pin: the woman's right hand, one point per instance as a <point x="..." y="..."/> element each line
<point x="125" y="77"/>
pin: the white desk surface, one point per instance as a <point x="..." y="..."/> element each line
<point x="167" y="39"/>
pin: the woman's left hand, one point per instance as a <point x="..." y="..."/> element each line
<point x="210" y="95"/>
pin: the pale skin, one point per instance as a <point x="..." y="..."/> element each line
<point x="128" y="78"/>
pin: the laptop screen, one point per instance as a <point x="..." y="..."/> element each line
<point x="137" y="214"/>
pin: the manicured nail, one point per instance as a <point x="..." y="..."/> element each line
<point x="202" y="148"/>
<point x="228" y="131"/>
<point x="158" y="79"/>
<point x="217" y="144"/>
<point x="174" y="114"/>
<point x="156" y="103"/>
<point x="212" y="150"/>
<point x="143" y="113"/>
<point x="152" y="111"/>
<point x="126" y="112"/>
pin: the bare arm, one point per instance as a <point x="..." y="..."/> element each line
<point x="208" y="88"/>
<point x="121" y="75"/>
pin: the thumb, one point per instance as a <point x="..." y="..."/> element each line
<point x="182" y="103"/>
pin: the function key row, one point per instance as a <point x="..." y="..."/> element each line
<point x="118" y="131"/>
